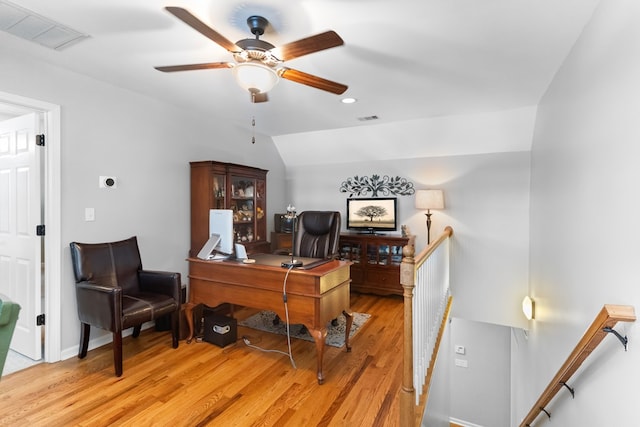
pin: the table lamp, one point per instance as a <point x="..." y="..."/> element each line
<point x="429" y="199"/>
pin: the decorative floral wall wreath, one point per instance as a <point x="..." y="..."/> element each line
<point x="378" y="186"/>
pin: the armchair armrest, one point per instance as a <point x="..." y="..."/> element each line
<point x="161" y="282"/>
<point x="99" y="305"/>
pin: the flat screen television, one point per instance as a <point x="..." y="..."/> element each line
<point x="372" y="215"/>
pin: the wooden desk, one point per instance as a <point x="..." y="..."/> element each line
<point x="314" y="296"/>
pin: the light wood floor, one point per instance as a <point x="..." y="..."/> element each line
<point x="201" y="384"/>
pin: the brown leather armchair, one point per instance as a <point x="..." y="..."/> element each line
<point x="318" y="234"/>
<point x="114" y="293"/>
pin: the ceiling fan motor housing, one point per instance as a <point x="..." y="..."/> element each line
<point x="257" y="25"/>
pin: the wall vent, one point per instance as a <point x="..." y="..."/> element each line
<point x="30" y="26"/>
<point x="368" y="118"/>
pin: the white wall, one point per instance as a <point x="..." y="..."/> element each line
<point x="486" y="203"/>
<point x="490" y="132"/>
<point x="584" y="222"/>
<point x="147" y="145"/>
<point x="437" y="412"/>
<point x="480" y="392"/>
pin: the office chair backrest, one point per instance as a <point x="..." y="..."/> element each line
<point x="318" y="234"/>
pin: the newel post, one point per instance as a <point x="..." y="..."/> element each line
<point x="407" y="392"/>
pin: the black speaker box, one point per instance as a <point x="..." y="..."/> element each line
<point x="219" y="330"/>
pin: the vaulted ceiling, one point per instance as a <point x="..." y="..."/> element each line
<point x="402" y="59"/>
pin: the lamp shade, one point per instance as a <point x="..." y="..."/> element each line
<point x="429" y="199"/>
<point x="253" y="76"/>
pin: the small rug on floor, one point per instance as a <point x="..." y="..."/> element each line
<point x="263" y="321"/>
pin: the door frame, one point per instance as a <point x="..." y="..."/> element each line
<point x="52" y="217"/>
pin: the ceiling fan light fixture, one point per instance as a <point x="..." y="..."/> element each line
<point x="253" y="76"/>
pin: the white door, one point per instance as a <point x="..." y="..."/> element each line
<point x="20" y="214"/>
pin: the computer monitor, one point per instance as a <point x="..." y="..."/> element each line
<point x="221" y="223"/>
<point x="207" y="251"/>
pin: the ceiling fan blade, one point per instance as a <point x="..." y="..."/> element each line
<point x="307" y="45"/>
<point x="311" y="80"/>
<point x="189" y="67"/>
<point x="189" y="19"/>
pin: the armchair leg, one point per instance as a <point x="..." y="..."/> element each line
<point x="136" y="331"/>
<point x="85" y="329"/>
<point x="117" y="352"/>
<point x="175" y="328"/>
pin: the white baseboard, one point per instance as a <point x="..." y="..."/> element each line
<point x="463" y="423"/>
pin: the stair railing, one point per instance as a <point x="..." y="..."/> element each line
<point x="603" y="324"/>
<point x="425" y="280"/>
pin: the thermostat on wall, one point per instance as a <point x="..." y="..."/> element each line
<point x="107" y="182"/>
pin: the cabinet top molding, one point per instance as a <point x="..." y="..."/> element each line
<point x="378" y="186"/>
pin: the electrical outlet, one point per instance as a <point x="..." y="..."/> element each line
<point x="460" y="349"/>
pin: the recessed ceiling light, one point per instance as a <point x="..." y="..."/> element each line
<point x="348" y="100"/>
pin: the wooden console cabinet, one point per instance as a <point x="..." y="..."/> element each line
<point x="243" y="189"/>
<point x="280" y="241"/>
<point x="376" y="262"/>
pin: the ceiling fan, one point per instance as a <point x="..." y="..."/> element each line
<point x="258" y="64"/>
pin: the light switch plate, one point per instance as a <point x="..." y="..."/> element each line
<point x="89" y="214"/>
<point x="462" y="363"/>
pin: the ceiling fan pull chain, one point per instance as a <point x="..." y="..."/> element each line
<point x="253" y="126"/>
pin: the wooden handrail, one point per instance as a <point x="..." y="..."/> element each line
<point x="426" y="252"/>
<point x="607" y="318"/>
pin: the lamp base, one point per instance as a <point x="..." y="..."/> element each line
<point x="291" y="264"/>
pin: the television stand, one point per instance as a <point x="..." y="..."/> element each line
<point x="371" y="233"/>
<point x="375" y="261"/>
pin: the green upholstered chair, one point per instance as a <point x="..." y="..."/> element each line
<point x="8" y="317"/>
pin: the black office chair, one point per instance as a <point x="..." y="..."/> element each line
<point x="318" y="234"/>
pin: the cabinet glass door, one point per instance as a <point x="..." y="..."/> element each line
<point x="396" y="255"/>
<point x="243" y="206"/>
<point x="260" y="233"/>
<point x="218" y="195"/>
<point x="350" y="252"/>
<point x="383" y="254"/>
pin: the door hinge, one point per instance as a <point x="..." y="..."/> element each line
<point x="40" y="319"/>
<point x="40" y="230"/>
<point x="40" y="140"/>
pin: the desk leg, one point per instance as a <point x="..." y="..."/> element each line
<point x="188" y="312"/>
<point x="319" y="336"/>
<point x="349" y="320"/>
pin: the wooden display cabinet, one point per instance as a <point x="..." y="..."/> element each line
<point x="243" y="189"/>
<point x="376" y="262"/>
